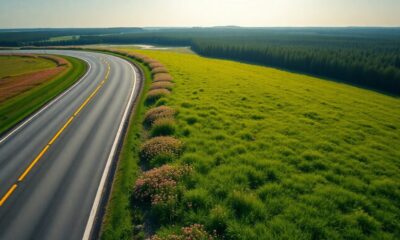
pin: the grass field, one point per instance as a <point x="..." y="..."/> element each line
<point x="18" y="107"/>
<point x="17" y="65"/>
<point x="279" y="155"/>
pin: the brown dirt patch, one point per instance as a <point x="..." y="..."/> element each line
<point x="12" y="86"/>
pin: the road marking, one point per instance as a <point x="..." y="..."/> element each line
<point x="99" y="193"/>
<point x="8" y="194"/>
<point x="61" y="130"/>
<point x="33" y="163"/>
<point x="54" y="138"/>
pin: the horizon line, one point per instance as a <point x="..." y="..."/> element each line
<point x="216" y="26"/>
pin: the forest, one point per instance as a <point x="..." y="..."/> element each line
<point x="366" y="57"/>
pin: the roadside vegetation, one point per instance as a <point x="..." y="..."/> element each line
<point x="151" y="149"/>
<point x="27" y="82"/>
<point x="258" y="153"/>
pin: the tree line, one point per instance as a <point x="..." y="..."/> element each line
<point x="375" y="68"/>
<point x="367" y="57"/>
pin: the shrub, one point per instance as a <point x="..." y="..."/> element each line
<point x="161" y="85"/>
<point x="154" y="95"/>
<point x="163" y="127"/>
<point x="159" y="185"/>
<point x="159" y="77"/>
<point x="155" y="64"/>
<point x="159" y="69"/>
<point x="159" y="112"/>
<point x="193" y="232"/>
<point x="137" y="56"/>
<point x="149" y="61"/>
<point x="161" y="146"/>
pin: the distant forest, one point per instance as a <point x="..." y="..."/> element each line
<point x="367" y="57"/>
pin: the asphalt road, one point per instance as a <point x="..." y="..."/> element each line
<point x="54" y="166"/>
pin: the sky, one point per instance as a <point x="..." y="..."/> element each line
<point x="185" y="13"/>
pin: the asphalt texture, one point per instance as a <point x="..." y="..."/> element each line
<point x="55" y="198"/>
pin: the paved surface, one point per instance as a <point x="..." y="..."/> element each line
<point x="51" y="167"/>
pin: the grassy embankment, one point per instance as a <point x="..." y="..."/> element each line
<point x="18" y="107"/>
<point x="117" y="222"/>
<point x="277" y="155"/>
<point x="149" y="134"/>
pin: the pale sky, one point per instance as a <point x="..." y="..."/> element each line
<point x="145" y="13"/>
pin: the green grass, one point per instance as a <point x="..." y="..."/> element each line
<point x="279" y="155"/>
<point x="19" y="107"/>
<point x="119" y="218"/>
<point x="16" y="65"/>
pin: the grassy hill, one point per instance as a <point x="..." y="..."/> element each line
<point x="279" y="155"/>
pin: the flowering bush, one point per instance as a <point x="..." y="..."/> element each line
<point x="193" y="232"/>
<point x="154" y="65"/>
<point x="161" y="147"/>
<point x="159" y="185"/>
<point x="159" y="69"/>
<point x="135" y="55"/>
<point x="159" y="77"/>
<point x="148" y="60"/>
<point x="162" y="85"/>
<point x="154" y="95"/>
<point x="157" y="113"/>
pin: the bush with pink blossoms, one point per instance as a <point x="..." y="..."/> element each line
<point x="193" y="232"/>
<point x="159" y="185"/>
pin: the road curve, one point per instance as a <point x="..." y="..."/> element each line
<point x="54" y="165"/>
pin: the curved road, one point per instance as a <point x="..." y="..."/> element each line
<point x="53" y="167"/>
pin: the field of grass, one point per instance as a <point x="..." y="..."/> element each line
<point x="278" y="155"/>
<point x="17" y="108"/>
<point x="17" y="65"/>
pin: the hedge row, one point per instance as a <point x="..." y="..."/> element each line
<point x="159" y="190"/>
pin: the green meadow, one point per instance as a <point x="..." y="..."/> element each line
<point x="280" y="155"/>
<point x="17" y="65"/>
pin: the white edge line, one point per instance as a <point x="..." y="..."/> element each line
<point x="96" y="203"/>
<point x="48" y="104"/>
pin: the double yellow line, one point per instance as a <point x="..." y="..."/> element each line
<point x="55" y="137"/>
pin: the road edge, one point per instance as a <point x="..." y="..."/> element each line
<point x="94" y="224"/>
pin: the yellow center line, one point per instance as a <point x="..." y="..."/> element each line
<point x="9" y="192"/>
<point x="55" y="137"/>
<point x="61" y="130"/>
<point x="33" y="163"/>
